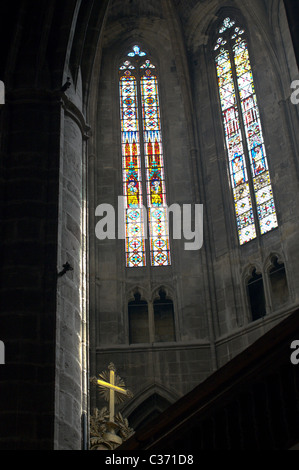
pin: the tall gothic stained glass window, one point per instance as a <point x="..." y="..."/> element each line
<point x="143" y="162"/>
<point x="248" y="165"/>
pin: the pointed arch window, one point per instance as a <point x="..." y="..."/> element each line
<point x="138" y="320"/>
<point x="143" y="162"/>
<point x="278" y="283"/>
<point x="153" y="321"/>
<point x="256" y="293"/>
<point x="164" y="318"/>
<point x="248" y="164"/>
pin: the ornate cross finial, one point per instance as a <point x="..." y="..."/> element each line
<point x="112" y="389"/>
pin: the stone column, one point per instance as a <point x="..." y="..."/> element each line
<point x="71" y="332"/>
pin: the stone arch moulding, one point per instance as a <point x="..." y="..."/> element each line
<point x="247" y="272"/>
<point x="170" y="294"/>
<point x="170" y="396"/>
<point x="149" y="34"/>
<point x="137" y="289"/>
<point x="269" y="261"/>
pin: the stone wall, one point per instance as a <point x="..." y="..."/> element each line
<point x="208" y="287"/>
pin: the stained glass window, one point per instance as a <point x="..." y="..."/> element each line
<point x="131" y="165"/>
<point x="142" y="153"/>
<point x="248" y="166"/>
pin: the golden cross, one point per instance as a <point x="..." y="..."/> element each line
<point x="113" y="389"/>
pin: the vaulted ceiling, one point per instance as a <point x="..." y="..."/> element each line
<point x="151" y="8"/>
<point x="135" y="8"/>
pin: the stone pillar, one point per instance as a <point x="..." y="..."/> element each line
<point x="71" y="332"/>
<point x="43" y="321"/>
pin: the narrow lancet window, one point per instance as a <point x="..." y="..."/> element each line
<point x="279" y="283"/>
<point x="256" y="295"/>
<point x="164" y="319"/>
<point x="138" y="321"/>
<point x="154" y="167"/>
<point x="248" y="166"/>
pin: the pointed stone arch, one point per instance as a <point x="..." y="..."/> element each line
<point x="149" y="403"/>
<point x="137" y="289"/>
